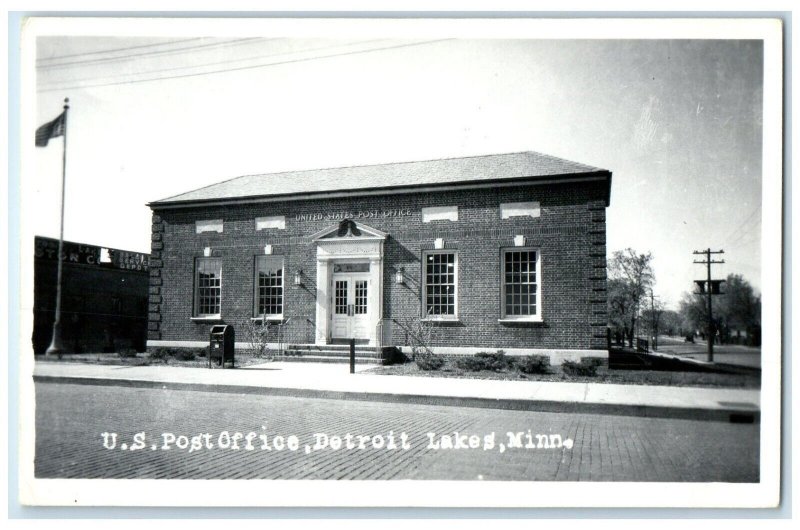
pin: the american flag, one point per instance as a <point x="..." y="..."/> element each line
<point x="51" y="130"/>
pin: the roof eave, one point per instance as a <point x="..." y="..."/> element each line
<point x="516" y="181"/>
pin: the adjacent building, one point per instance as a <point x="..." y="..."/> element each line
<point x="504" y="251"/>
<point x="103" y="301"/>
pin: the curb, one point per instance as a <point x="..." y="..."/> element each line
<point x="724" y="414"/>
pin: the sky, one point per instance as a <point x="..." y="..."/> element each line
<point x="678" y="122"/>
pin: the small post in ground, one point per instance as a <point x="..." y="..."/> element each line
<point x="352" y="356"/>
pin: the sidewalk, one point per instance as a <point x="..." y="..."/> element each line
<point x="333" y="381"/>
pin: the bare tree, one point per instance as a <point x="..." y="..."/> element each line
<point x="420" y="336"/>
<point x="631" y="276"/>
<point x="259" y="333"/>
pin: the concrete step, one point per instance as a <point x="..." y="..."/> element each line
<point x="331" y="347"/>
<point x="323" y="359"/>
<point x="330" y="352"/>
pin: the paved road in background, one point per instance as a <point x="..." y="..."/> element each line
<point x="71" y="420"/>
<point x="723" y="353"/>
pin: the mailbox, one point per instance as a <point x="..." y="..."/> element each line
<point x="220" y="348"/>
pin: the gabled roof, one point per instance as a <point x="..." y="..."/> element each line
<point x="498" y="168"/>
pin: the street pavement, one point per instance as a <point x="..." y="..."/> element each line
<point x="71" y="420"/>
<point x="733" y="354"/>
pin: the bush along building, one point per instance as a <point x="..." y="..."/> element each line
<point x="103" y="300"/>
<point x="481" y="253"/>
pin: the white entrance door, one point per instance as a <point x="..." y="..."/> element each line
<point x="350" y="304"/>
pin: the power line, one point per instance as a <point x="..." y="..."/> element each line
<point x="739" y="264"/>
<point x="152" y="54"/>
<point x="114" y="50"/>
<point x="251" y="67"/>
<point x="742" y="240"/>
<point x="747" y="219"/>
<point x="747" y="234"/>
<point x="148" y="72"/>
<point x="743" y="223"/>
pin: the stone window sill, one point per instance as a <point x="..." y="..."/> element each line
<point x="211" y="318"/>
<point x="443" y="321"/>
<point x="536" y="320"/>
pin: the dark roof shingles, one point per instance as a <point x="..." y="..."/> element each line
<point x="401" y="174"/>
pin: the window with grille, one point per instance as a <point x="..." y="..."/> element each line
<point x="208" y="287"/>
<point x="340" y="297"/>
<point x="441" y="273"/>
<point x="269" y="286"/>
<point x="521" y="297"/>
<point x="360" y="306"/>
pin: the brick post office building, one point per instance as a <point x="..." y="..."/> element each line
<point x="501" y="251"/>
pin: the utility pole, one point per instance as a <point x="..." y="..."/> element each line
<point x="653" y="320"/>
<point x="709" y="287"/>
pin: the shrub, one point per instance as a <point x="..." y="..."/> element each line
<point x="534" y="364"/>
<point x="185" y="354"/>
<point x="181" y="354"/>
<point x="586" y="368"/>
<point x="429" y="362"/>
<point x="496" y="361"/>
<point x="470" y="364"/>
<point x="485" y="361"/>
<point x="393" y="355"/>
<point x="160" y="354"/>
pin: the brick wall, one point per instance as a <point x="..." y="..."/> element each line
<point x="570" y="234"/>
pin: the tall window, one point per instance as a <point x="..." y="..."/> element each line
<point x="208" y="287"/>
<point x="521" y="296"/>
<point x="269" y="286"/>
<point x="441" y="284"/>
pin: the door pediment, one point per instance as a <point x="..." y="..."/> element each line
<point x="349" y="242"/>
<point x="348" y="230"/>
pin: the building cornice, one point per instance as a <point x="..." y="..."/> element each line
<point x="598" y="176"/>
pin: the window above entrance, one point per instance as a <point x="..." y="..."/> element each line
<point x="350" y="267"/>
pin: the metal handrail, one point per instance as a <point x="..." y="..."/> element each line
<point x="380" y="330"/>
<point x="281" y="335"/>
<point x="379" y="338"/>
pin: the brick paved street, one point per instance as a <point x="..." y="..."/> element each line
<point x="70" y="420"/>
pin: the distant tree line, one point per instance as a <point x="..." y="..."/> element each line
<point x="633" y="311"/>
<point x="736" y="313"/>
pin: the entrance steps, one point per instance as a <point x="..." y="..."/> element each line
<point x="329" y="353"/>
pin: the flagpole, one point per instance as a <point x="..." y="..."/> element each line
<point x="56" y="347"/>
